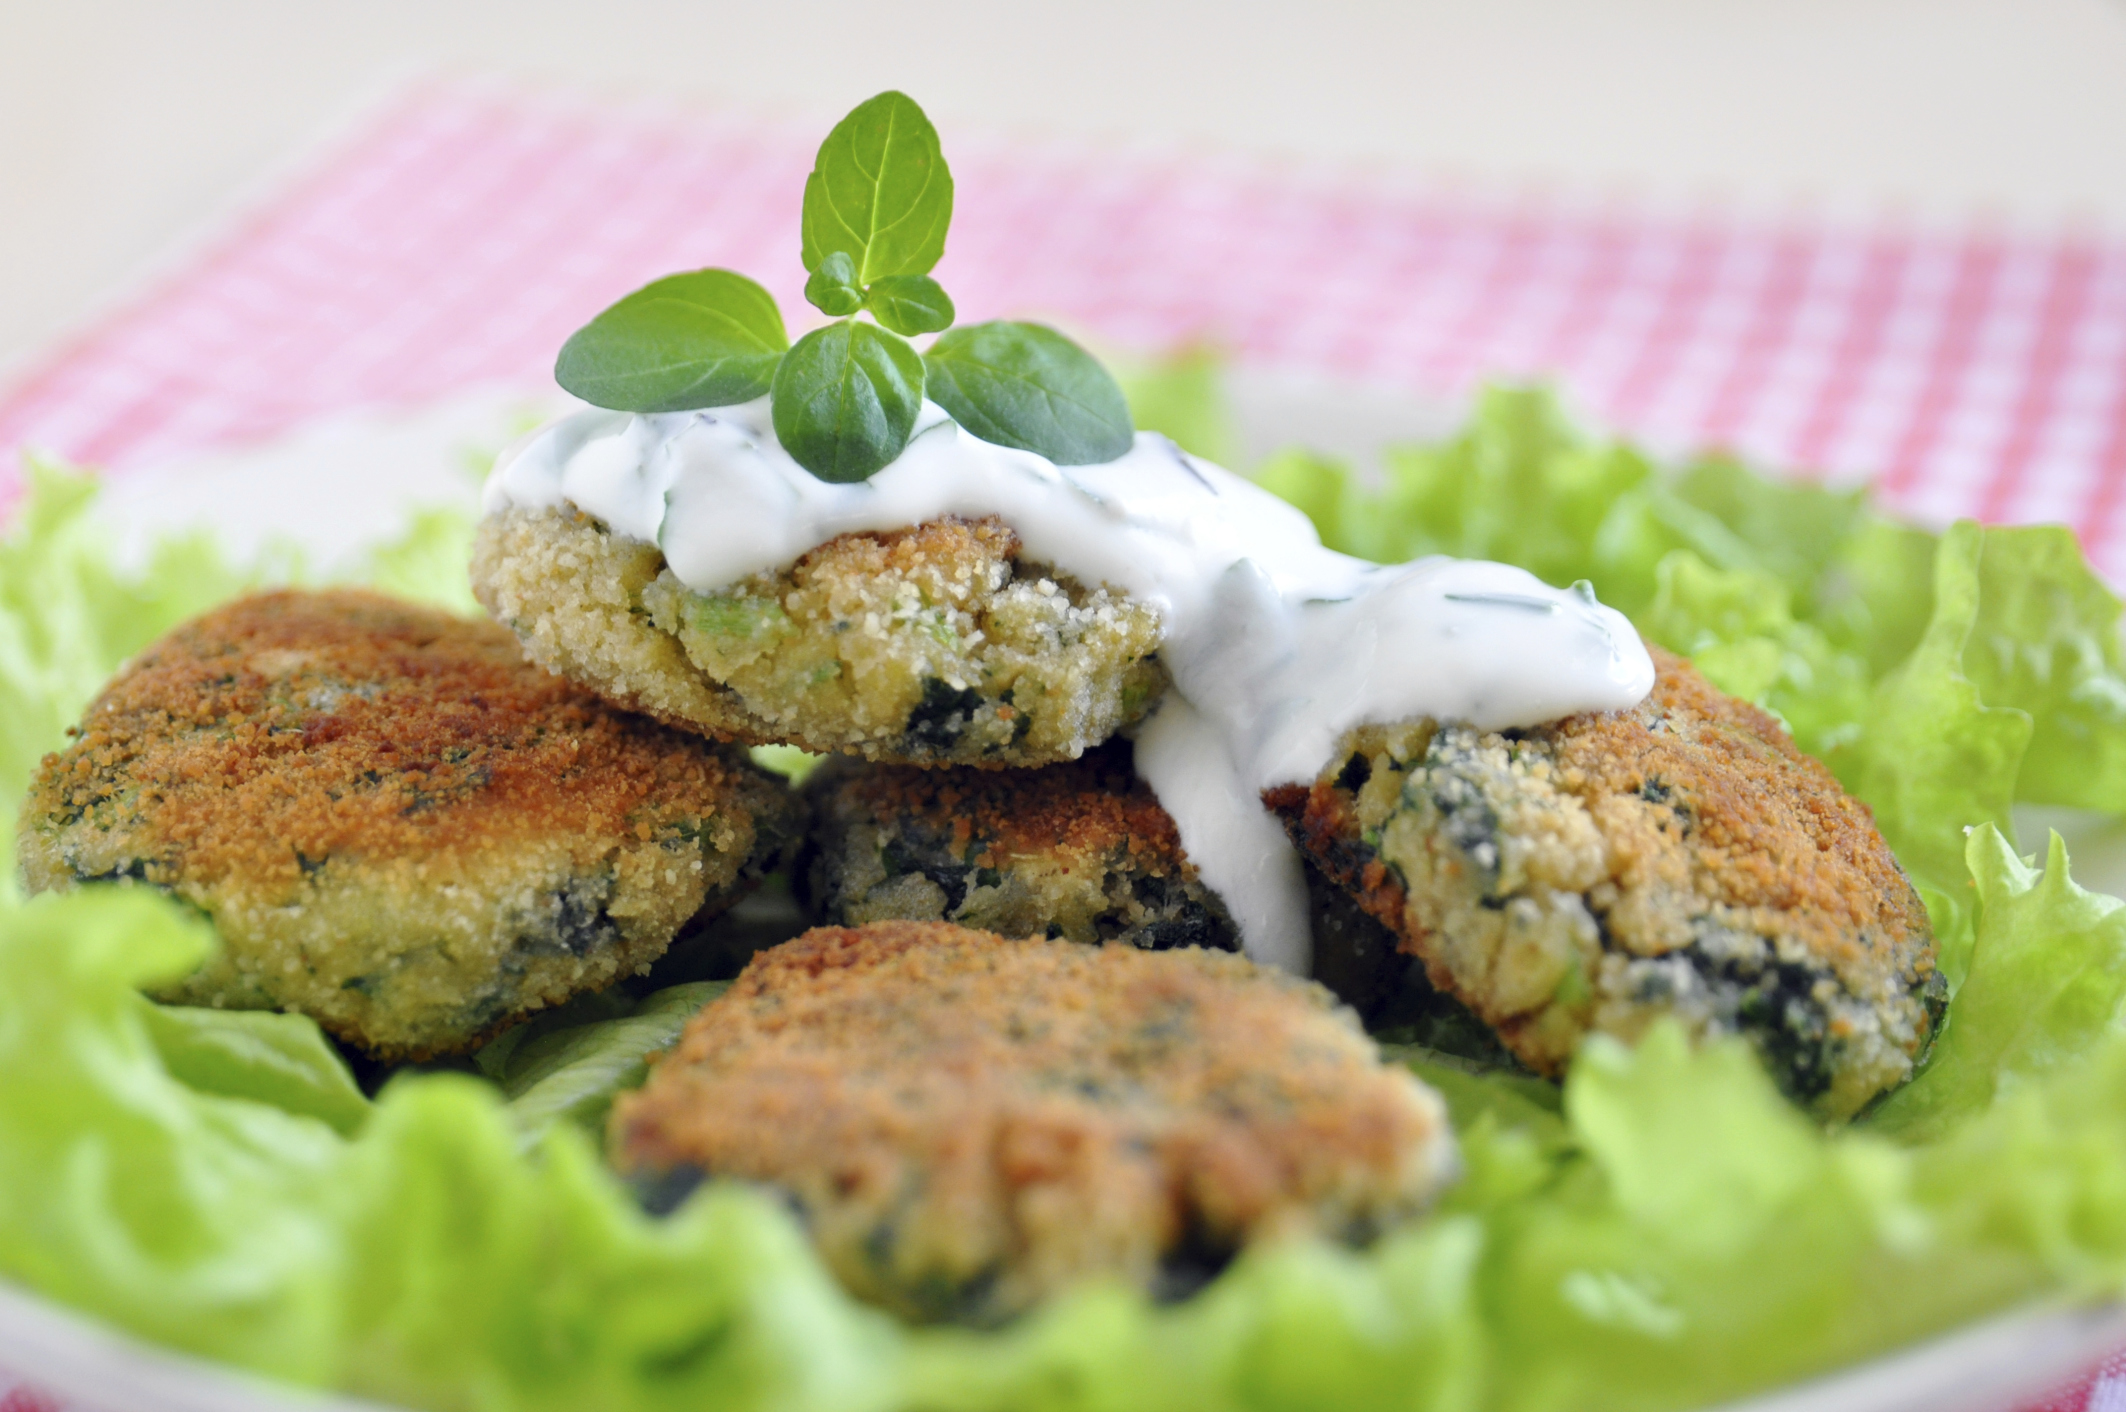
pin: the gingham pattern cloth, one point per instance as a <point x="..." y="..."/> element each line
<point x="459" y="235"/>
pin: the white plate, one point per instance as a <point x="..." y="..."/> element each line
<point x="338" y="487"/>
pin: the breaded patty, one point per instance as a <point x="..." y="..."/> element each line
<point x="1363" y="964"/>
<point x="1678" y="858"/>
<point x="1079" y="850"/>
<point x="932" y="645"/>
<point x="398" y="825"/>
<point x="969" y="1124"/>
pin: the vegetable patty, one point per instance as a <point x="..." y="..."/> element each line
<point x="1680" y="857"/>
<point x="398" y="825"/>
<point x="969" y="1124"/>
<point x="931" y="645"/>
<point x="1079" y="850"/>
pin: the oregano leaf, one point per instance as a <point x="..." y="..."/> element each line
<point x="709" y="338"/>
<point x="910" y="304"/>
<point x="1027" y="386"/>
<point x="879" y="192"/>
<point x="846" y="398"/>
<point x="832" y="289"/>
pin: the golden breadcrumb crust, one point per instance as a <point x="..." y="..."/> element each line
<point x="1681" y="857"/>
<point x="398" y="825"/>
<point x="971" y="1124"/>
<point x="930" y="645"/>
<point x="1080" y="850"/>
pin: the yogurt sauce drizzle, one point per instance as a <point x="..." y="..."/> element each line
<point x="1276" y="645"/>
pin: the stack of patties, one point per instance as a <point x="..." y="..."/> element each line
<point x="988" y="1089"/>
<point x="967" y="697"/>
<point x="1504" y="893"/>
<point x="1497" y="894"/>
<point x="1678" y="858"/>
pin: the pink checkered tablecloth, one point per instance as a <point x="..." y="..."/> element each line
<point x="459" y="236"/>
<point x="456" y="237"/>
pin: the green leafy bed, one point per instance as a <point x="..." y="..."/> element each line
<point x="1663" y="1233"/>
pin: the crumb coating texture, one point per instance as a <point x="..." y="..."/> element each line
<point x="970" y="1124"/>
<point x="398" y="825"/>
<point x="931" y="645"/>
<point x="1678" y="858"/>
<point x="1079" y="850"/>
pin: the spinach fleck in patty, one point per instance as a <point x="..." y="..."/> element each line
<point x="1678" y="858"/>
<point x="1079" y="850"/>
<point x="970" y="1124"/>
<point x="397" y="824"/>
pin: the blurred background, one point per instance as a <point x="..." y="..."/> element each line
<point x="1863" y="239"/>
<point x="126" y="125"/>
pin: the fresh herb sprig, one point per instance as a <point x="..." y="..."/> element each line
<point x="845" y="397"/>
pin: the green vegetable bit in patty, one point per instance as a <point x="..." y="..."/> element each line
<point x="1597" y="873"/>
<point x="933" y="645"/>
<point x="970" y="1124"/>
<point x="398" y="826"/>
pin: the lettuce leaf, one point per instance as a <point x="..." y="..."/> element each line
<point x="1290" y="1327"/>
<point x="1878" y="594"/>
<point x="1738" y="627"/>
<point x="1933" y="760"/>
<point x="2032" y="1192"/>
<point x="1521" y="485"/>
<point x="1793" y="530"/>
<point x="1943" y="678"/>
<point x="571" y="1072"/>
<point x="426" y="563"/>
<point x="1680" y="1234"/>
<point x="2047" y="986"/>
<point x="1704" y="1239"/>
<point x="194" y="1218"/>
<point x="1662" y="1232"/>
<point x="2045" y="641"/>
<point x="283" y="1060"/>
<point x="1183" y="398"/>
<point x="479" y="1276"/>
<point x="1836" y="585"/>
<point x="69" y="615"/>
<point x="426" y="1258"/>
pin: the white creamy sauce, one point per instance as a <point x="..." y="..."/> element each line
<point x="1276" y="645"/>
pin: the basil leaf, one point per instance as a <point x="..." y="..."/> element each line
<point x="1025" y="385"/>
<point x="910" y="304"/>
<point x="832" y="288"/>
<point x="705" y="339"/>
<point x="845" y="399"/>
<point x="879" y="192"/>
